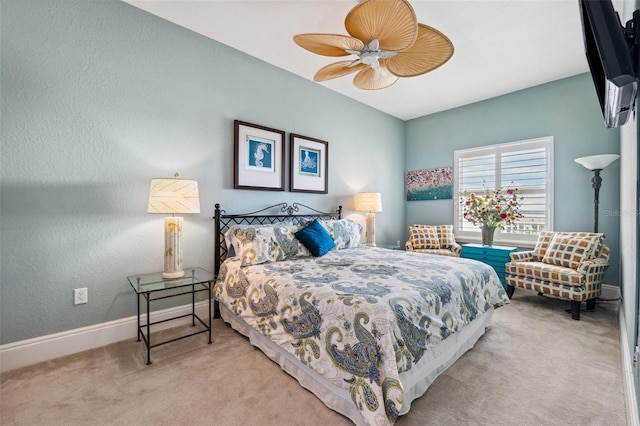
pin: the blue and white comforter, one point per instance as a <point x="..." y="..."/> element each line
<point x="361" y="316"/>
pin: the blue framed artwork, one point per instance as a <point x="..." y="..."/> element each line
<point x="261" y="152"/>
<point x="430" y="184"/>
<point x="258" y="157"/>
<point x="309" y="164"/>
<point x="309" y="161"/>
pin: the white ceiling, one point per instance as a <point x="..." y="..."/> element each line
<point x="500" y="45"/>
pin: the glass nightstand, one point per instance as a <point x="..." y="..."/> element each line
<point x="391" y="247"/>
<point x="154" y="287"/>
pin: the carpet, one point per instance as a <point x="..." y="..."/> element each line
<point x="533" y="366"/>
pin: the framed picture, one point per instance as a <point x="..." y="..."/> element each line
<point x="309" y="164"/>
<point x="430" y="184"/>
<point x="258" y="157"/>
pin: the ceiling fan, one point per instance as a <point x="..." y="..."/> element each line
<point x="388" y="41"/>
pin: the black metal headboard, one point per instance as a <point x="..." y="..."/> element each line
<point x="224" y="221"/>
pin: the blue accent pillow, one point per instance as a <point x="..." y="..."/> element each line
<point x="315" y="238"/>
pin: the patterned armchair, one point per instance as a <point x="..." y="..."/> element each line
<point x="568" y="265"/>
<point x="438" y="239"/>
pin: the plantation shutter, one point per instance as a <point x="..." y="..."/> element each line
<point x="477" y="173"/>
<point x="525" y="165"/>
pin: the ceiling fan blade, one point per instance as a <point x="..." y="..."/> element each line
<point x="328" y="44"/>
<point x="372" y="79"/>
<point x="431" y="49"/>
<point x="392" y="22"/>
<point x="337" y="69"/>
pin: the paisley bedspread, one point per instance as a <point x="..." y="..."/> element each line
<point x="361" y="316"/>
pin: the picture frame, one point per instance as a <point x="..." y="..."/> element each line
<point x="430" y="184"/>
<point x="308" y="164"/>
<point x="258" y="157"/>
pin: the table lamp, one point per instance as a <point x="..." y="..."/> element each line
<point x="596" y="163"/>
<point x="370" y="202"/>
<point x="173" y="196"/>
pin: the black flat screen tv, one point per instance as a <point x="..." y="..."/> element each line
<point x="610" y="60"/>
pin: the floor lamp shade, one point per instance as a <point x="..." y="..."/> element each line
<point x="370" y="202"/>
<point x="596" y="163"/>
<point x="173" y="196"/>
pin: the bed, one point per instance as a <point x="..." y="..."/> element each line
<point x="366" y="329"/>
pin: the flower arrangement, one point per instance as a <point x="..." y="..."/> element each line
<point x="495" y="208"/>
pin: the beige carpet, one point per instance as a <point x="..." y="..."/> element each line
<point x="534" y="366"/>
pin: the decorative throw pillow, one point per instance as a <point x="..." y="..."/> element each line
<point x="544" y="238"/>
<point x="445" y="234"/>
<point x="260" y="244"/>
<point x="232" y="242"/>
<point x="424" y="237"/>
<point x="316" y="238"/>
<point x="291" y="246"/>
<point x="569" y="250"/>
<point x="346" y="233"/>
<point x="597" y="246"/>
<point x="256" y="245"/>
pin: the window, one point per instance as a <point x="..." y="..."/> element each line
<point x="525" y="165"/>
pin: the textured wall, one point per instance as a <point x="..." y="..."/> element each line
<point x="98" y="98"/>
<point x="566" y="109"/>
<point x="630" y="218"/>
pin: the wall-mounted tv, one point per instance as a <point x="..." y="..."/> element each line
<point x="610" y="60"/>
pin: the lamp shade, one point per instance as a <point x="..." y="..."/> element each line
<point x="173" y="196"/>
<point x="597" y="162"/>
<point x="369" y="201"/>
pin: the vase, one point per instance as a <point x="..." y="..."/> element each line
<point x="487" y="234"/>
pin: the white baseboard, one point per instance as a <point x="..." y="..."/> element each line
<point x="610" y="292"/>
<point x="32" y="351"/>
<point x="631" y="401"/>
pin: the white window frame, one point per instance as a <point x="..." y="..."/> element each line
<point x="529" y="236"/>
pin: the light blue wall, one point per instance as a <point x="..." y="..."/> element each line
<point x="566" y="109"/>
<point x="98" y="98"/>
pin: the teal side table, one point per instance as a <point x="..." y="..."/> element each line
<point x="494" y="256"/>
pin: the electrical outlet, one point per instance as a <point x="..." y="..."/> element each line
<point x="80" y="296"/>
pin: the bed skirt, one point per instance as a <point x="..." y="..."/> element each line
<point x="415" y="382"/>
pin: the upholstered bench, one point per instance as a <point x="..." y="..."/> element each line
<point x="568" y="265"/>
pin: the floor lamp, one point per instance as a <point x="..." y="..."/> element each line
<point x="173" y="196"/>
<point x="596" y="163"/>
<point x="370" y="202"/>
